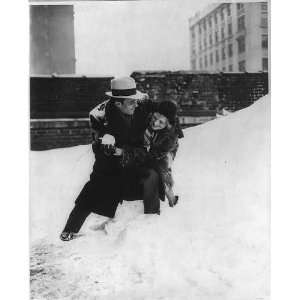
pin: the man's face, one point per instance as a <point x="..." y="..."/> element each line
<point x="158" y="121"/>
<point x="128" y="106"/>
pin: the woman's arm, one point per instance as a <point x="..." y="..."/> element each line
<point x="164" y="145"/>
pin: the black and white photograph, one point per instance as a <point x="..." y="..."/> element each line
<point x="149" y="150"/>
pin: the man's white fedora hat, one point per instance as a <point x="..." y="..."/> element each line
<point x="124" y="87"/>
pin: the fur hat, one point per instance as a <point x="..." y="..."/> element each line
<point x="169" y="110"/>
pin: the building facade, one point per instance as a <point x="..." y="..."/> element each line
<point x="230" y="37"/>
<point x="52" y="43"/>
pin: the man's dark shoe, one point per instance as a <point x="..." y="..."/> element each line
<point x="174" y="201"/>
<point x="156" y="212"/>
<point x="67" y="236"/>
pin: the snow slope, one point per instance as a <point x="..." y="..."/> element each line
<point x="213" y="245"/>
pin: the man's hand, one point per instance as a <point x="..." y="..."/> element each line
<point x="118" y="152"/>
<point x="109" y="150"/>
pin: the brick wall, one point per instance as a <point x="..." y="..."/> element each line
<point x="198" y="95"/>
<point x="48" y="134"/>
<point x="204" y="91"/>
<point x="66" y="97"/>
<point x="239" y="90"/>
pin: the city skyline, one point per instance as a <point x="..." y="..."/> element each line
<point x="116" y="38"/>
<point x="230" y="37"/>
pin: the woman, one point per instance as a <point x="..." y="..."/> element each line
<point x="160" y="145"/>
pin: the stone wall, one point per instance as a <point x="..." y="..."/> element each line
<point x="57" y="133"/>
<point x="66" y="97"/>
<point x="204" y="91"/>
<point x="59" y="106"/>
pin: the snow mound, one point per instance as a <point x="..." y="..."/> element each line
<point x="213" y="245"/>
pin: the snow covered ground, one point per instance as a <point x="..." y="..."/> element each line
<point x="213" y="245"/>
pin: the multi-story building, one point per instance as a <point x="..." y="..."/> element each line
<point x="52" y="42"/>
<point x="230" y="37"/>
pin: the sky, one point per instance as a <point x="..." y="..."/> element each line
<point x="116" y="38"/>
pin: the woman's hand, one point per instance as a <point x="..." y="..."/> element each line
<point x="118" y="152"/>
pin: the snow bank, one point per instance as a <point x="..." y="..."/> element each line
<point x="213" y="245"/>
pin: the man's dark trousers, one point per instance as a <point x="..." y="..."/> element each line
<point x="147" y="188"/>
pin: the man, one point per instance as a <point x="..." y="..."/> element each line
<point x="118" y="127"/>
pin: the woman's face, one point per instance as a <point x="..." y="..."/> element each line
<point x="158" y="121"/>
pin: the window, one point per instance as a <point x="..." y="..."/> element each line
<point x="229" y="28"/>
<point x="217" y="56"/>
<point x="230" y="50"/>
<point x="264" y="6"/>
<point x="204" y="24"/>
<point x="200" y="29"/>
<point x="223" y="53"/>
<point x="193" y="34"/>
<point x="210" y="40"/>
<point x="222" y="33"/>
<point x="228" y="10"/>
<point x="200" y="63"/>
<point x="242" y="66"/>
<point x="241" y="44"/>
<point x="264" y="22"/>
<point x="224" y="69"/>
<point x="222" y="14"/>
<point x="200" y="46"/>
<point x="209" y="22"/>
<point x="211" y="59"/>
<point x="205" y="61"/>
<point x="216" y="36"/>
<point x="241" y="23"/>
<point x="265" y="64"/>
<point x="240" y="6"/>
<point x="264" y="41"/>
<point x="193" y="64"/>
<point x="230" y="68"/>
<point x="205" y="44"/>
<point x="216" y="19"/>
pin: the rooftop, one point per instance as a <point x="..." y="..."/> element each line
<point x="200" y="14"/>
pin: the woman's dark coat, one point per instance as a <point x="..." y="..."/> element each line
<point x="163" y="143"/>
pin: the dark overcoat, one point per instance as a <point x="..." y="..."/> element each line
<point x="110" y="182"/>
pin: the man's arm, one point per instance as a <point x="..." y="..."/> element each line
<point x="148" y="105"/>
<point x="98" y="125"/>
<point x="139" y="155"/>
<point x="98" y="120"/>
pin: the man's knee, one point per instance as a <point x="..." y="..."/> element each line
<point x="151" y="197"/>
<point x="152" y="176"/>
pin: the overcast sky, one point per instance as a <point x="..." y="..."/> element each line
<point x="116" y="38"/>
